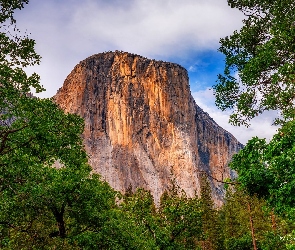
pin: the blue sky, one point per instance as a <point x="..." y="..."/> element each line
<point x="186" y="32"/>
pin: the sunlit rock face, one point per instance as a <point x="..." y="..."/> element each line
<point x="143" y="127"/>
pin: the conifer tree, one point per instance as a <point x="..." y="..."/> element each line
<point x="210" y="225"/>
<point x="236" y="219"/>
<point x="181" y="217"/>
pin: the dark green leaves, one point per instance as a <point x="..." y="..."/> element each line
<point x="267" y="169"/>
<point x="7" y="8"/>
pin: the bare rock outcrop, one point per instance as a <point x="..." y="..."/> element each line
<point x="142" y="125"/>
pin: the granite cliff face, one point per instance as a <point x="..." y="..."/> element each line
<point x="143" y="127"/>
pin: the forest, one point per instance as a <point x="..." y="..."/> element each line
<point x="69" y="207"/>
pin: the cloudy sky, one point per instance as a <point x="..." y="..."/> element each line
<point x="186" y="32"/>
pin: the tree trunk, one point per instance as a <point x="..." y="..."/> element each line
<point x="273" y="221"/>
<point x="251" y="226"/>
<point x="59" y="217"/>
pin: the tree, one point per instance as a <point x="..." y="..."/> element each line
<point x="140" y="208"/>
<point x="240" y="224"/>
<point x="235" y="221"/>
<point x="267" y="169"/>
<point x="259" y="75"/>
<point x="48" y="196"/>
<point x="16" y="53"/>
<point x="175" y="224"/>
<point x="259" y="62"/>
<point x="180" y="219"/>
<point x="210" y="224"/>
<point x="244" y="220"/>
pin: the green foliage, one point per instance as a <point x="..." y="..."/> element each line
<point x="242" y="243"/>
<point x="49" y="199"/>
<point x="271" y="231"/>
<point x="175" y="224"/>
<point x="7" y="8"/>
<point x="259" y="71"/>
<point x="267" y="169"/>
<point x="259" y="76"/>
<point x="211" y="237"/>
<point x="273" y="240"/>
<point x="235" y="219"/>
<point x="181" y="219"/>
<point x="140" y="208"/>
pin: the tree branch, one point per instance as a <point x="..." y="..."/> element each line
<point x="5" y="134"/>
<point x="224" y="182"/>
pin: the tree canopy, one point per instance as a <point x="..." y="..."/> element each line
<point x="48" y="195"/>
<point x="259" y="75"/>
<point x="267" y="169"/>
<point x="259" y="70"/>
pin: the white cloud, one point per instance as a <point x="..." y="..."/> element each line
<point x="261" y="126"/>
<point x="157" y="27"/>
<point x="192" y="68"/>
<point x="67" y="32"/>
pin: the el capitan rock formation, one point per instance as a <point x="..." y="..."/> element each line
<point x="142" y="125"/>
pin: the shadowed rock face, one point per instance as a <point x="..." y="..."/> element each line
<point x="143" y="127"/>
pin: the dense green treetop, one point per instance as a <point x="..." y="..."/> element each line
<point x="267" y="169"/>
<point x="259" y="73"/>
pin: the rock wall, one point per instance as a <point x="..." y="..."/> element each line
<point x="143" y="127"/>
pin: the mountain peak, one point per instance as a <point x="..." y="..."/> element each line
<point x="143" y="127"/>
